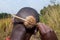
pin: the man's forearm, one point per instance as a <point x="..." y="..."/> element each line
<point x="49" y="36"/>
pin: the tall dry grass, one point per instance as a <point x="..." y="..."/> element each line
<point x="5" y="28"/>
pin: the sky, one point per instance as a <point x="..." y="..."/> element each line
<point x="13" y="6"/>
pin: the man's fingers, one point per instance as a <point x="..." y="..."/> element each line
<point x="47" y="29"/>
<point x="41" y="28"/>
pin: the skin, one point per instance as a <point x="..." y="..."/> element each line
<point x="18" y="32"/>
<point x="46" y="32"/>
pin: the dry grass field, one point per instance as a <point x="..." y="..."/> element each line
<point x="5" y="27"/>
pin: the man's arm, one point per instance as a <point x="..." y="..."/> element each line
<point x="46" y="32"/>
<point x="18" y="32"/>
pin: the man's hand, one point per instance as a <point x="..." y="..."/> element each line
<point x="46" y="32"/>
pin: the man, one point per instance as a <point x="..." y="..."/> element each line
<point x="22" y="32"/>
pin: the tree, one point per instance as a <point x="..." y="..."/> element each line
<point x="53" y="1"/>
<point x="4" y="15"/>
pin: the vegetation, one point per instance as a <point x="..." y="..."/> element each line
<point x="5" y="25"/>
<point x="4" y="15"/>
<point x="5" y="28"/>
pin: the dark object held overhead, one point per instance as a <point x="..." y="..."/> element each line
<point x="20" y="32"/>
<point x="27" y="11"/>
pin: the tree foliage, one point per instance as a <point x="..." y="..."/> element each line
<point x="4" y="15"/>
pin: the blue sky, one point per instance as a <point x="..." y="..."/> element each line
<point x="13" y="6"/>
